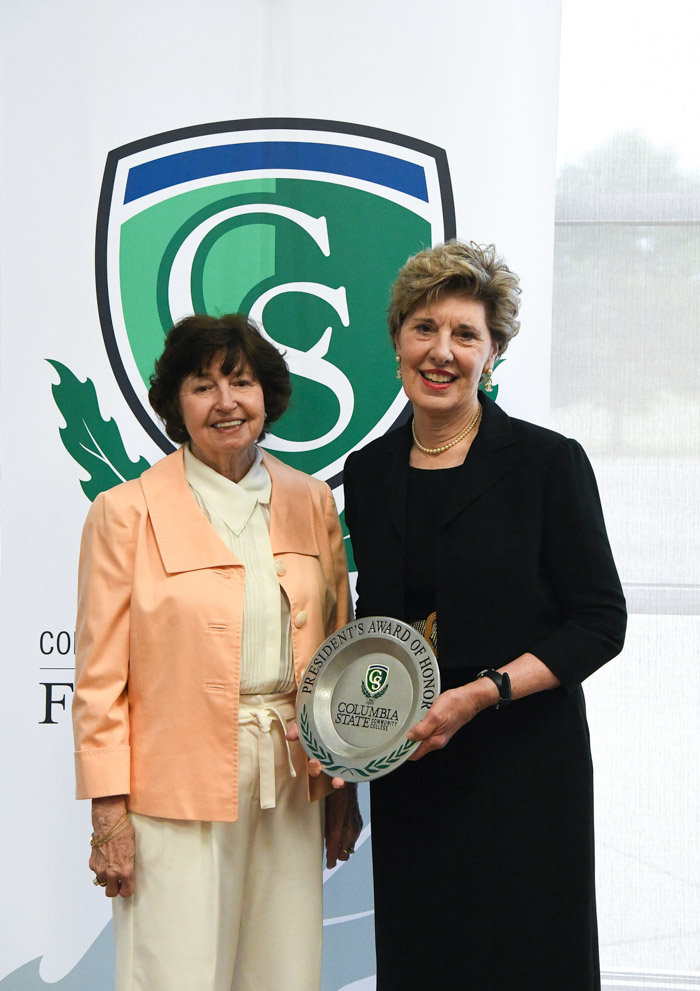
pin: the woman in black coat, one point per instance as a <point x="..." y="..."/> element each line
<point x="483" y="844"/>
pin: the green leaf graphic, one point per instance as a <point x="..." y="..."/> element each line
<point x="95" y="443"/>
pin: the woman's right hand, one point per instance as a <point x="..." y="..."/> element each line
<point x="314" y="767"/>
<point x="450" y="711"/>
<point x="113" y="861"/>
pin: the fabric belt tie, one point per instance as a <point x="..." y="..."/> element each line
<point x="262" y="711"/>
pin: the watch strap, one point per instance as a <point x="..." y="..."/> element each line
<point x="502" y="682"/>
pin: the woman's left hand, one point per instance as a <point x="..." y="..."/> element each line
<point x="112" y="860"/>
<point x="458" y="706"/>
<point x="343" y="824"/>
<point x="449" y="712"/>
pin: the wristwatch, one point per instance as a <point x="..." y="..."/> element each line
<point x="502" y="683"/>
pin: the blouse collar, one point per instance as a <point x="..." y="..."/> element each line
<point x="234" y="502"/>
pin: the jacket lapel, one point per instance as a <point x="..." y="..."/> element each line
<point x="186" y="539"/>
<point x="492" y="455"/>
<point x="292" y="522"/>
<point x="395" y="477"/>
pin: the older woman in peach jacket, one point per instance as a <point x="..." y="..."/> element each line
<point x="159" y="591"/>
<point x="203" y="814"/>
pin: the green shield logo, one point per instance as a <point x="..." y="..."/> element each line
<point x="376" y="681"/>
<point x="303" y="226"/>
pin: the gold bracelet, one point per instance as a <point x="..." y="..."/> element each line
<point x="116" y="828"/>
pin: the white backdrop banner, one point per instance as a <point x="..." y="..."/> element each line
<point x="280" y="157"/>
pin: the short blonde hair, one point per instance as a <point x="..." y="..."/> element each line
<point x="463" y="269"/>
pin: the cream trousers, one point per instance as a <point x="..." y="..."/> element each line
<point x="231" y="906"/>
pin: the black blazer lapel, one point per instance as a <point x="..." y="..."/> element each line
<point x="492" y="455"/>
<point x="396" y="478"/>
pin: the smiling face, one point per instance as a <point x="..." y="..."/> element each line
<point x="444" y="347"/>
<point x="224" y="415"/>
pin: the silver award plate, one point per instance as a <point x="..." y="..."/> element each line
<point x="365" y="687"/>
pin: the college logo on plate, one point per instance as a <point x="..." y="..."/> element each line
<point x="300" y="224"/>
<point x="375" y="683"/>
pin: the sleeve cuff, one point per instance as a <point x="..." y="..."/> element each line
<point x="102" y="772"/>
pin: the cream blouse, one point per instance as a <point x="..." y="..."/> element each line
<point x="240" y="515"/>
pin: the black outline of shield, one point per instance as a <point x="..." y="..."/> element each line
<point x="372" y="667"/>
<point x="439" y="155"/>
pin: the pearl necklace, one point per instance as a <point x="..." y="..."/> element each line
<point x="445" y="447"/>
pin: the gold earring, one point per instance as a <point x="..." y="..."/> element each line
<point x="398" y="367"/>
<point x="486" y="380"/>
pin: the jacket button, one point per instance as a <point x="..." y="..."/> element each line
<point x="280" y="568"/>
<point x="300" y="619"/>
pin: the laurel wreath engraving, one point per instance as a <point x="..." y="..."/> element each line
<point x="377" y="695"/>
<point x="328" y="763"/>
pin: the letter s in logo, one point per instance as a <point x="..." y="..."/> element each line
<point x="312" y="363"/>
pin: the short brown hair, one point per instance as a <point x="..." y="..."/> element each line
<point x="189" y="349"/>
<point x="463" y="269"/>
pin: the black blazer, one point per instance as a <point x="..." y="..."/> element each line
<point x="523" y="559"/>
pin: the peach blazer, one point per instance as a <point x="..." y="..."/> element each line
<point x="158" y="637"/>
